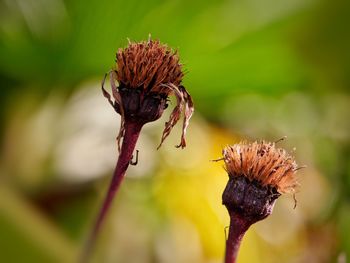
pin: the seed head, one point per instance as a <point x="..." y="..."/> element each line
<point x="149" y="65"/>
<point x="146" y="74"/>
<point x="262" y="162"/>
<point x="258" y="174"/>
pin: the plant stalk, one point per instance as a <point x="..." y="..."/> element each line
<point x="131" y="135"/>
<point x="238" y="226"/>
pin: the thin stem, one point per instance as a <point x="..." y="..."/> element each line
<point x="132" y="132"/>
<point x="238" y="227"/>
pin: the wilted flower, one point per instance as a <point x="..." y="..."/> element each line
<point x="147" y="73"/>
<point x="258" y="174"/>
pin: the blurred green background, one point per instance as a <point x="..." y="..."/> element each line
<point x="256" y="69"/>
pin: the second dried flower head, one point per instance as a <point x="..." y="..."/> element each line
<point x="259" y="173"/>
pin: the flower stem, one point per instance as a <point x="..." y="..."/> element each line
<point x="238" y="227"/>
<point x="132" y="132"/>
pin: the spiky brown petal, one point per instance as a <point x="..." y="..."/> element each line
<point x="262" y="162"/>
<point x="148" y="64"/>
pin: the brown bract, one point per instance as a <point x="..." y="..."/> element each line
<point x="262" y="162"/>
<point x="146" y="74"/>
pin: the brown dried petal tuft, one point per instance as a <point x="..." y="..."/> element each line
<point x="148" y="64"/>
<point x="262" y="162"/>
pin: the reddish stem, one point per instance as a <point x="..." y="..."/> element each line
<point x="238" y="226"/>
<point x="132" y="132"/>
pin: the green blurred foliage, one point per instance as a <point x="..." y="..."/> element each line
<point x="256" y="69"/>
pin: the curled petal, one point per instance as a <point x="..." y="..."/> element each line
<point x="115" y="92"/>
<point x="189" y="109"/>
<point x="175" y="114"/>
<point x="117" y="104"/>
<point x="120" y="134"/>
<point x="105" y="92"/>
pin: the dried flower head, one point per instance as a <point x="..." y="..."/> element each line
<point x="264" y="163"/>
<point x="147" y="73"/>
<point x="148" y="65"/>
<point x="258" y="174"/>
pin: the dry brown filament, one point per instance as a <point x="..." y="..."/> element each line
<point x="263" y="162"/>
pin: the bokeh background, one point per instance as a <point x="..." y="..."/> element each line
<point x="256" y="69"/>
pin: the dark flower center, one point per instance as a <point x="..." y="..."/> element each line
<point x="141" y="106"/>
<point x="249" y="198"/>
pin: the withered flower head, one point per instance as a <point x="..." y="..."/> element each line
<point x="258" y="173"/>
<point x="147" y="73"/>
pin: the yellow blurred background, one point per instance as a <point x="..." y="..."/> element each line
<point x="255" y="69"/>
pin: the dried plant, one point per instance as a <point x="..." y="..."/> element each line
<point x="146" y="74"/>
<point x="258" y="174"/>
